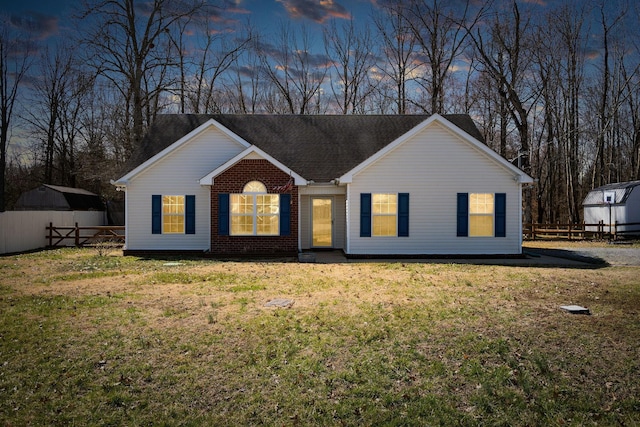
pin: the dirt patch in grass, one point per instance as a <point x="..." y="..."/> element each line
<point x="122" y="340"/>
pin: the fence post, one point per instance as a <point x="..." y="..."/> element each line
<point x="601" y="229"/>
<point x="77" y="235"/>
<point x="615" y="236"/>
<point x="570" y="224"/>
<point x="533" y="231"/>
<point x="50" y="233"/>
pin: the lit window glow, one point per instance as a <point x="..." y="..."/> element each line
<point x="481" y="208"/>
<point x="385" y="211"/>
<point x="255" y="213"/>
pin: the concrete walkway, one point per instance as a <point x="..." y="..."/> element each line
<point x="539" y="258"/>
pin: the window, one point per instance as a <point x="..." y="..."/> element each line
<point x="384" y="214"/>
<point x="482" y="215"/>
<point x="254" y="212"/>
<point x="172" y="214"/>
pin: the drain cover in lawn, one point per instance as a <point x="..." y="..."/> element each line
<point x="280" y="302"/>
<point x="575" y="309"/>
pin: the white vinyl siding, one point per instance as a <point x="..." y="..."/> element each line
<point x="629" y="212"/>
<point x="178" y="173"/>
<point x="433" y="166"/>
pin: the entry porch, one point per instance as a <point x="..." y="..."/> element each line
<point x="323" y="217"/>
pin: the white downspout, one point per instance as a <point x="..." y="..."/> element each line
<point x="348" y="220"/>
<point x="520" y="188"/>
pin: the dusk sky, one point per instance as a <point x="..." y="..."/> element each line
<point x="51" y="18"/>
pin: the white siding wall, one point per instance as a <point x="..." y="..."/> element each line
<point x="590" y="215"/>
<point x="305" y="222"/>
<point x="627" y="213"/>
<point x="177" y="174"/>
<point x="632" y="213"/>
<point x="595" y="214"/>
<point x="340" y="221"/>
<point x="433" y="167"/>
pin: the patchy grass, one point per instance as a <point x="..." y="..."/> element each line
<point x="112" y="340"/>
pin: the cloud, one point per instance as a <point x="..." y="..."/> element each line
<point x="220" y="12"/>
<point x="316" y="60"/>
<point x="315" y="10"/>
<point x="41" y="26"/>
<point x="248" y="71"/>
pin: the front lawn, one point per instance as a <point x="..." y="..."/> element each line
<point x="111" y="340"/>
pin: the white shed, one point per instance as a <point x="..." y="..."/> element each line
<point x="614" y="203"/>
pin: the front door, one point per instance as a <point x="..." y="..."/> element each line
<point x="322" y="222"/>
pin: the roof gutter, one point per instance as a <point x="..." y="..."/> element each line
<point x="121" y="185"/>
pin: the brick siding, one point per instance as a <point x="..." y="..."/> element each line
<point x="233" y="181"/>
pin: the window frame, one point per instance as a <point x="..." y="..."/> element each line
<point x="386" y="215"/>
<point x="491" y="214"/>
<point x="254" y="191"/>
<point x="165" y="202"/>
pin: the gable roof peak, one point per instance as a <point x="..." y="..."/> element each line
<point x="318" y="147"/>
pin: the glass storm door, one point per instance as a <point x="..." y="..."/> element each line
<point x="322" y="222"/>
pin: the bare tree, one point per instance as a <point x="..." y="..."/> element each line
<point x="215" y="52"/>
<point x="14" y="63"/>
<point x="399" y="62"/>
<point x="295" y="72"/>
<point x="606" y="106"/>
<point x="57" y="108"/>
<point x="127" y="43"/>
<point x="48" y="93"/>
<point x="440" y="28"/>
<point x="633" y="105"/>
<point x="560" y="46"/>
<point x="504" y="53"/>
<point x="247" y="89"/>
<point x="486" y="102"/>
<point x="352" y="58"/>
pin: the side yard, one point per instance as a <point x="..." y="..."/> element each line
<point x="112" y="340"/>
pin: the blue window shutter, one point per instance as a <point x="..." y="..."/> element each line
<point x="365" y="214"/>
<point x="156" y="214"/>
<point x="463" y="215"/>
<point x="285" y="214"/>
<point x="223" y="214"/>
<point x="190" y="215"/>
<point x="403" y="215"/>
<point x="501" y="215"/>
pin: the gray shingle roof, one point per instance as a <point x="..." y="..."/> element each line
<point x="55" y="197"/>
<point x="622" y="190"/>
<point x="317" y="147"/>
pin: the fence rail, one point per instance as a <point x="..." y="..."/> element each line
<point x="82" y="236"/>
<point x="580" y="231"/>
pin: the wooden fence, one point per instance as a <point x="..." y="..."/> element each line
<point x="580" y="231"/>
<point x="83" y="236"/>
